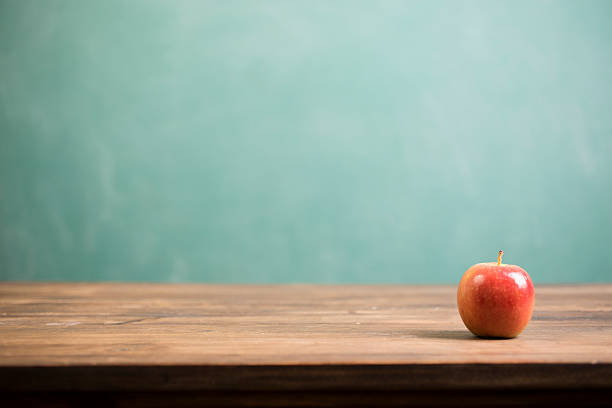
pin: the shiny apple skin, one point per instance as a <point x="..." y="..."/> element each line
<point x="495" y="300"/>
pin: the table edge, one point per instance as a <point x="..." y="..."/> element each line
<point x="330" y="377"/>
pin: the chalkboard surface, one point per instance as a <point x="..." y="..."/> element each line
<point x="304" y="141"/>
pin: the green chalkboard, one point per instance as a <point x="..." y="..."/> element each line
<point x="304" y="141"/>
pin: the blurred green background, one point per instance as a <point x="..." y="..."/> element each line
<point x="304" y="141"/>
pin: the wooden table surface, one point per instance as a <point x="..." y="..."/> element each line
<point x="94" y="337"/>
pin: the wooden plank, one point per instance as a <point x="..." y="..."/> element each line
<point x="502" y="398"/>
<point x="369" y="377"/>
<point x="134" y="337"/>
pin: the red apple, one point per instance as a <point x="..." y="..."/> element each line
<point x="495" y="299"/>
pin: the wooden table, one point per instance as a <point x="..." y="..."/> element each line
<point x="76" y="344"/>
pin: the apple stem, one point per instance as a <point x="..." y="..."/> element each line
<point x="499" y="256"/>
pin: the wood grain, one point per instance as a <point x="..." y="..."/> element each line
<point x="214" y="338"/>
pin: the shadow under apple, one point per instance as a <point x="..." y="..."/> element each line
<point x="452" y="335"/>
